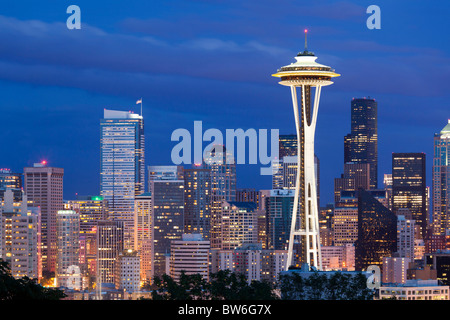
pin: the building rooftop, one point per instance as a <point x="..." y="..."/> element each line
<point x="445" y="132"/>
<point x="114" y="114"/>
<point x="414" y="283"/>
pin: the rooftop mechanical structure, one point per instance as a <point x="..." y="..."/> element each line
<point x="305" y="74"/>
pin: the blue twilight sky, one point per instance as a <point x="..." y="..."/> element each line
<point x="212" y="61"/>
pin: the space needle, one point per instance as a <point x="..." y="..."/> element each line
<point x="305" y="74"/>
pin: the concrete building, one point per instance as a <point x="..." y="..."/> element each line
<point x="68" y="272"/>
<point x="109" y="245"/>
<point x="345" y="226"/>
<point x="223" y="187"/>
<point x="239" y="224"/>
<point x="340" y="257"/>
<point x="127" y="271"/>
<point x="43" y="185"/>
<point x="143" y="227"/>
<point x="20" y="236"/>
<point x="167" y="223"/>
<point x="197" y="200"/>
<point x="394" y="269"/>
<point x="189" y="255"/>
<point x="405" y="237"/>
<point x="91" y="210"/>
<point x="415" y="290"/>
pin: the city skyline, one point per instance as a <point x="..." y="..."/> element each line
<point x="381" y="63"/>
<point x="137" y="164"/>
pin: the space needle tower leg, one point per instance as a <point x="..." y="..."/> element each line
<point x="309" y="232"/>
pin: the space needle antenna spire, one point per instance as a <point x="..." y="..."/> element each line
<point x="306" y="40"/>
<point x="305" y="78"/>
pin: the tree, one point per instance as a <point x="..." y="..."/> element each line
<point x="316" y="286"/>
<point x="24" y="288"/>
<point x="189" y="287"/>
<point x="223" y="285"/>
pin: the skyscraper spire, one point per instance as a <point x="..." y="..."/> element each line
<point x="306" y="40"/>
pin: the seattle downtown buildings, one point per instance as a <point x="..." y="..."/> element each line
<point x="170" y="226"/>
<point x="197" y="220"/>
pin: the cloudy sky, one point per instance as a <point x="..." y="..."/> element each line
<point x="212" y="61"/>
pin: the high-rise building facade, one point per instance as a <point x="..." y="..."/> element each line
<point x="197" y="201"/>
<point x="361" y="145"/>
<point x="190" y="255"/>
<point x="223" y="187"/>
<point x="68" y="272"/>
<point x="127" y="271"/>
<point x="143" y="227"/>
<point x="356" y="176"/>
<point x="239" y="224"/>
<point x="377" y="232"/>
<point x="122" y="170"/>
<point x="279" y="206"/>
<point x="109" y="245"/>
<point x="43" y="186"/>
<point x="345" y="226"/>
<point x="405" y="237"/>
<point x="409" y="187"/>
<point x="168" y="217"/>
<point x="441" y="181"/>
<point x="20" y="236"/>
<point x="91" y="210"/>
<point x="10" y="180"/>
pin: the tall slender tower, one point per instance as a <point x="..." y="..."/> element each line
<point x="222" y="168"/>
<point x="305" y="74"/>
<point x="44" y="187"/>
<point x="361" y="145"/>
<point x="441" y="180"/>
<point x="122" y="168"/>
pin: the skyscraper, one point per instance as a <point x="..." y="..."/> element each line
<point x="190" y="255"/>
<point x="409" y="187"/>
<point x="356" y="175"/>
<point x="143" y="227"/>
<point x="223" y="188"/>
<point x="19" y="236"/>
<point x="197" y="201"/>
<point x="306" y="74"/>
<point x="122" y="171"/>
<point x="68" y="249"/>
<point x="10" y="180"/>
<point x="109" y="245"/>
<point x="44" y="187"/>
<point x="91" y="209"/>
<point x="377" y="232"/>
<point x="361" y="145"/>
<point x="239" y="224"/>
<point x="279" y="206"/>
<point x="287" y="145"/>
<point x="167" y="193"/>
<point x="441" y="181"/>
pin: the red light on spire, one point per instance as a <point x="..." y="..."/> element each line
<point x="44" y="162"/>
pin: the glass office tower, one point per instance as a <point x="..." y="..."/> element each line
<point x="122" y="172"/>
<point x="409" y="187"/>
<point x="361" y="145"/>
<point x="441" y="181"/>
